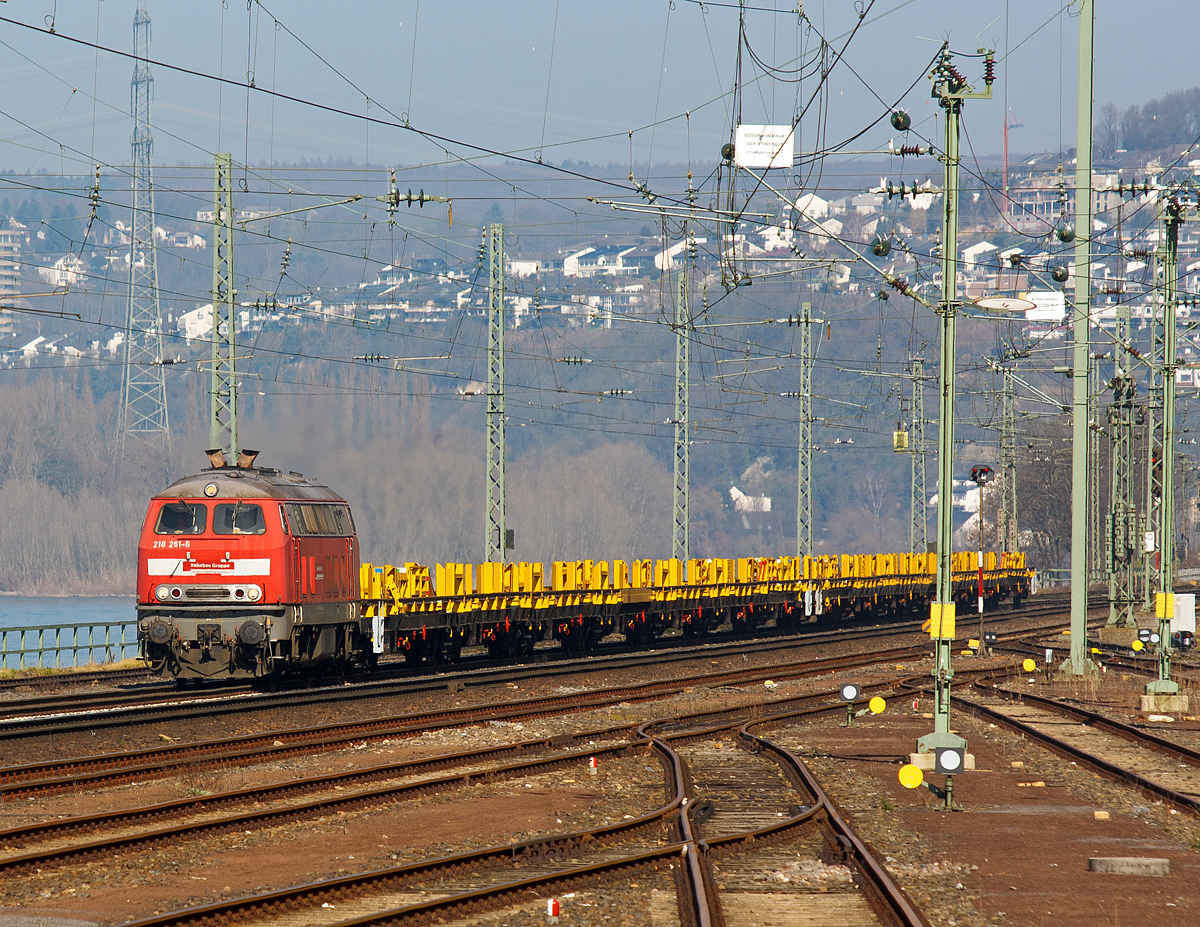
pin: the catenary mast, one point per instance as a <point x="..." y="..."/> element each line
<point x="143" y="388"/>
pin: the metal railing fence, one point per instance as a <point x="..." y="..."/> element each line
<point x="97" y="642"/>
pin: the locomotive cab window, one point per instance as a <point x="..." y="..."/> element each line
<point x="311" y="520"/>
<point x="182" y="518"/>
<point x="239" y="518"/>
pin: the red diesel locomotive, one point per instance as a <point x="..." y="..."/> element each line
<point x="247" y="571"/>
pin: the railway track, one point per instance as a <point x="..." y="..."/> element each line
<point x="65" y="711"/>
<point x="195" y="816"/>
<point x="111" y="769"/>
<point x="75" y="712"/>
<point x="1155" y="766"/>
<point x="667" y="849"/>
<point x="72" y="677"/>
<point x="764" y="864"/>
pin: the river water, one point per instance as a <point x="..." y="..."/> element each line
<point x="64" y="617"/>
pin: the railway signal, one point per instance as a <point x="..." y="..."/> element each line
<point x="949" y="760"/>
<point x="981" y="476"/>
<point x="950" y="89"/>
<point x="912" y="777"/>
<point x="850" y="693"/>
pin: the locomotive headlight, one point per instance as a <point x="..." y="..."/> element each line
<point x="253" y="593"/>
<point x="162" y="592"/>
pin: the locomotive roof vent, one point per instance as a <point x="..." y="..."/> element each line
<point x="216" y="457"/>
<point x="246" y="458"/>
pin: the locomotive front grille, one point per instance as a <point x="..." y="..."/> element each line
<point x="207" y="593"/>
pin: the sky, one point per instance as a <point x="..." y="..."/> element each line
<point x="559" y="79"/>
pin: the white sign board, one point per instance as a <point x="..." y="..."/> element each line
<point x="1185" y="612"/>
<point x="1050" y="306"/>
<point x="764" y="146"/>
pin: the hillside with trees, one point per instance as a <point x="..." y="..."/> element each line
<point x="1146" y="130"/>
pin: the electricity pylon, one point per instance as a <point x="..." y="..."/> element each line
<point x="496" y="542"/>
<point x="1121" y="529"/>
<point x="1096" y="508"/>
<point x="143" y="387"/>
<point x="1008" y="465"/>
<point x="680" y="533"/>
<point x="950" y="90"/>
<point x="1152" y="508"/>
<point x="1174" y="201"/>
<point x="804" y="523"/>
<point x="918" y="522"/>
<point x="223" y="421"/>
<point x="1172" y="216"/>
<point x="1080" y="662"/>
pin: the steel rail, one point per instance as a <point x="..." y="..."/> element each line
<point x="550" y="847"/>
<point x="272" y="817"/>
<point x="696" y="903"/>
<point x="886" y="897"/>
<point x="23" y="836"/>
<point x="176" y="707"/>
<point x="110" y="768"/>
<point x="1098" y="721"/>
<point x="112" y="709"/>
<point x="1070" y="752"/>
<point x="39" y="680"/>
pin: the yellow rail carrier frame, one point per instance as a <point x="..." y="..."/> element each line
<point x="509" y="607"/>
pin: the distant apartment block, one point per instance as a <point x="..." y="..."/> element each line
<point x="13" y="237"/>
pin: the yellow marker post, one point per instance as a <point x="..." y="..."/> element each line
<point x="877" y="705"/>
<point x="911" y="776"/>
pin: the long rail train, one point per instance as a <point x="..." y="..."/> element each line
<point x="247" y="571"/>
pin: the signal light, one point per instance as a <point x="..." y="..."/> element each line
<point x="949" y="760"/>
<point x="982" y="475"/>
<point x="851" y="692"/>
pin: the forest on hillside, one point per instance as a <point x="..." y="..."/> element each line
<point x="588" y="475"/>
<point x="1153" y="127"/>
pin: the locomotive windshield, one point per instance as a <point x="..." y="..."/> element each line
<point x="319" y="520"/>
<point x="182" y="518"/>
<point x="239" y="518"/>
